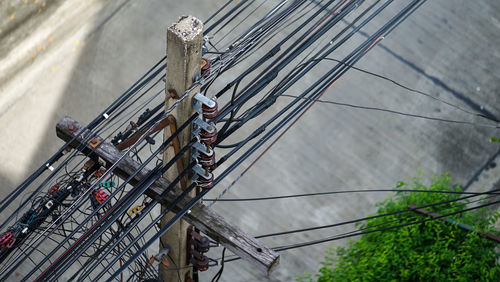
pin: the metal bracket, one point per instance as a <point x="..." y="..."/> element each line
<point x="200" y="171"/>
<point x="163" y="253"/>
<point x="203" y="149"/>
<point x="208" y="127"/>
<point x="94" y="142"/>
<point x="199" y="99"/>
<point x="72" y="128"/>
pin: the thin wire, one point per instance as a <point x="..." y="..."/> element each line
<point x="315" y="242"/>
<point x="410" y="89"/>
<point x="484" y="125"/>
<point x="354" y="233"/>
<point x="368" y="218"/>
<point x="346" y="192"/>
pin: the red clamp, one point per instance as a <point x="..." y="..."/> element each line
<point x="100" y="196"/>
<point x="7" y="240"/>
<point x="53" y="189"/>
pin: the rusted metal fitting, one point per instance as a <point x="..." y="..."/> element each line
<point x="72" y="128"/>
<point x="199" y="243"/>
<point x="199" y="261"/>
<point x="205" y="67"/>
<point x="173" y="93"/>
<point x="94" y="142"/>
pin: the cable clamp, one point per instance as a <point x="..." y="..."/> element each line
<point x="51" y="168"/>
<point x="49" y="204"/>
<point x="205" y="126"/>
<point x="203" y="149"/>
<point x="199" y="99"/>
<point x="161" y="257"/>
<point x="135" y="210"/>
<point x="162" y="254"/>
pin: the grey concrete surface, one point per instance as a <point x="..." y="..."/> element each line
<point x="447" y="48"/>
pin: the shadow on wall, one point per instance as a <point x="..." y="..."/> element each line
<point x="87" y="92"/>
<point x="118" y="51"/>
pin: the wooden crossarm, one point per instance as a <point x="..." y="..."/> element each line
<point x="203" y="218"/>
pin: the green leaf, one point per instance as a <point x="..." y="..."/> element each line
<point x="433" y="251"/>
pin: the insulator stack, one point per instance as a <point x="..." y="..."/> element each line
<point x="207" y="107"/>
<point x="208" y="138"/>
<point x="206" y="183"/>
<point x="207" y="134"/>
<point x="199" y="262"/>
<point x="198" y="246"/>
<point x="210" y="112"/>
<point x="206" y="161"/>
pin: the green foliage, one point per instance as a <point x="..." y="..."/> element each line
<point x="432" y="251"/>
<point x="495" y="139"/>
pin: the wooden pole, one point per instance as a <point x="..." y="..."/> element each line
<point x="184" y="42"/>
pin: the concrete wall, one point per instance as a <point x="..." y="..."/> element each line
<point x="93" y="50"/>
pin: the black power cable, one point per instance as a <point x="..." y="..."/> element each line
<point x="348" y="192"/>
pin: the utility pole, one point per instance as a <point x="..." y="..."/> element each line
<point x="184" y="43"/>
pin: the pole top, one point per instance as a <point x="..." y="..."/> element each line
<point x="187" y="27"/>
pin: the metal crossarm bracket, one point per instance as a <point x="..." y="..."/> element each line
<point x="199" y="99"/>
<point x="208" y="127"/>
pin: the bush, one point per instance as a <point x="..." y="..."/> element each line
<point x="432" y="251"/>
